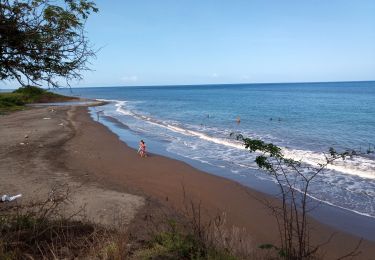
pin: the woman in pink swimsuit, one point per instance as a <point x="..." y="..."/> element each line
<point x="142" y="149"/>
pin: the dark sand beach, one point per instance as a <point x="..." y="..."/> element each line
<point x="70" y="147"/>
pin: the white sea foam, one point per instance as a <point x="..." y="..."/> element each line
<point x="343" y="184"/>
<point x="360" y="166"/>
<point x="335" y="205"/>
<point x="110" y="100"/>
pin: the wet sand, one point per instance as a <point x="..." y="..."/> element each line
<point x="86" y="152"/>
<point x="114" y="163"/>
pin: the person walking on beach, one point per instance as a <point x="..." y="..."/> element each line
<point x="142" y="149"/>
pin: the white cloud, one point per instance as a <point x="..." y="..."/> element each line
<point x="132" y="78"/>
<point x="215" y="75"/>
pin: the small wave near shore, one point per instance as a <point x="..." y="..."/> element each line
<point x="348" y="184"/>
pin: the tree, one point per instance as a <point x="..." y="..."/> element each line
<point x="43" y="40"/>
<point x="293" y="179"/>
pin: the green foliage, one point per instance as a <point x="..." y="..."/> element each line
<point x="267" y="246"/>
<point x="42" y="40"/>
<point x="177" y="243"/>
<point x="268" y="151"/>
<point x="254" y="145"/>
<point x="280" y="252"/>
<point x="262" y="162"/>
<point x="293" y="179"/>
<point x="10" y="102"/>
<point x="9" y="99"/>
<point x="30" y="91"/>
<point x="25" y="95"/>
<point x="174" y="242"/>
<point x="32" y="94"/>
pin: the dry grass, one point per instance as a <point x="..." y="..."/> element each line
<point x="191" y="234"/>
<point x="38" y="230"/>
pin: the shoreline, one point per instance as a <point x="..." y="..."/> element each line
<point x="87" y="152"/>
<point x="214" y="192"/>
<point x="342" y="219"/>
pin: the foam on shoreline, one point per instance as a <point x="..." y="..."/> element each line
<point x="343" y="176"/>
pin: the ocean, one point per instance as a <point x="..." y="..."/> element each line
<point x="198" y="124"/>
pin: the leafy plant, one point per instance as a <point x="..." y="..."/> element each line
<point x="293" y="179"/>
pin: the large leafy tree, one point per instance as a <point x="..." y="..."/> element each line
<point x="44" y="40"/>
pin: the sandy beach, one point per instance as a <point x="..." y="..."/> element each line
<point x="44" y="147"/>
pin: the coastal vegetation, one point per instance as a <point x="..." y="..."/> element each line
<point x="17" y="99"/>
<point x="293" y="179"/>
<point x="39" y="230"/>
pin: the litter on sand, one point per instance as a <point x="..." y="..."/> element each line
<point x="46" y="118"/>
<point x="7" y="198"/>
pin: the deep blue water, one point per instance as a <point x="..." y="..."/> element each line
<point x="194" y="123"/>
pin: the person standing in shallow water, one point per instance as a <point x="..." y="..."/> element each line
<point x="238" y="120"/>
<point x="142" y="149"/>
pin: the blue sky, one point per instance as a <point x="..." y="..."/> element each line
<point x="157" y="42"/>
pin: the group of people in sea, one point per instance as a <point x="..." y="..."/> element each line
<point x="142" y="144"/>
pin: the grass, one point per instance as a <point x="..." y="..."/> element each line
<point x="17" y="99"/>
<point x="38" y="231"/>
<point x="179" y="243"/>
<point x="190" y="235"/>
<point x="26" y="235"/>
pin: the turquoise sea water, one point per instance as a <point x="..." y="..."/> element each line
<point x="195" y="123"/>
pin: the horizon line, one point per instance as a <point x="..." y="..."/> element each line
<point x="205" y="84"/>
<point x="223" y="84"/>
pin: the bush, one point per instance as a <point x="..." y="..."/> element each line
<point x="30" y="91"/>
<point x="179" y="243"/>
<point x="28" y="94"/>
<point x="32" y="94"/>
<point x="10" y="99"/>
<point x="38" y="230"/>
<point x="10" y="102"/>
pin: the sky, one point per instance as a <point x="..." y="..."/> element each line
<point x="173" y="42"/>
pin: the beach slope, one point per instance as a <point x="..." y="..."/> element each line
<point x="43" y="147"/>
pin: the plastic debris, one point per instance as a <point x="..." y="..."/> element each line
<point x="7" y="198"/>
<point x="46" y="118"/>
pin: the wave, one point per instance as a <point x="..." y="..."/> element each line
<point x="360" y="166"/>
<point x="335" y="187"/>
<point x="338" y="206"/>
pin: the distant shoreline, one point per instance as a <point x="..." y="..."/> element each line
<point x="2" y="89"/>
